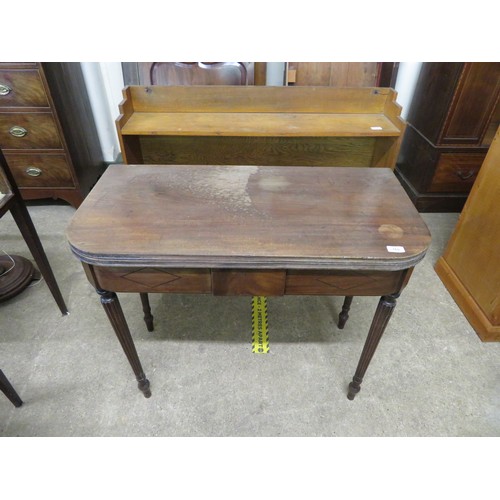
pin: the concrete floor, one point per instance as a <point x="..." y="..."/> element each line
<point x="431" y="375"/>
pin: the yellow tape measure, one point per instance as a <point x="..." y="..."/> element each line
<point x="260" y="336"/>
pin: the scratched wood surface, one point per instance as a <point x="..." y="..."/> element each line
<point x="248" y="217"/>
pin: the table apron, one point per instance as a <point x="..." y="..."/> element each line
<point x="246" y="281"/>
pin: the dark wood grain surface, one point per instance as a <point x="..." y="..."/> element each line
<point x="248" y="217"/>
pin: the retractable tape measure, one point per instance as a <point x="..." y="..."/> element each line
<point x="260" y="335"/>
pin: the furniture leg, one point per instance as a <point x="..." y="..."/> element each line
<point x="25" y="224"/>
<point x="385" y="307"/>
<point x="9" y="391"/>
<point x="146" y="308"/>
<point x="344" y="314"/>
<point x="114" y="311"/>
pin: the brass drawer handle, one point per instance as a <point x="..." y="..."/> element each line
<point x="34" y="171"/>
<point x="465" y="175"/>
<point x="5" y="89"/>
<point x="17" y="131"/>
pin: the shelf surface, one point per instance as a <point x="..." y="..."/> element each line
<point x="261" y="124"/>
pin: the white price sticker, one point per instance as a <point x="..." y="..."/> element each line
<point x="395" y="249"/>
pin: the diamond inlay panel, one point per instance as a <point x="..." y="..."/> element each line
<point x="342" y="282"/>
<point x="154" y="279"/>
<point x="151" y="276"/>
<point x="347" y="282"/>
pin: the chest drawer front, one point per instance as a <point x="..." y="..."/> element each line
<point x="29" y="131"/>
<point x="22" y="88"/>
<point x="456" y="172"/>
<point x="34" y="170"/>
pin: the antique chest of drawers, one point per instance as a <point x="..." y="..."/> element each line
<point x="47" y="130"/>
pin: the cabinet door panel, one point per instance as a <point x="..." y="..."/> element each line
<point x="473" y="104"/>
<point x="333" y="74"/>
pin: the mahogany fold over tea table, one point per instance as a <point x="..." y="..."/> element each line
<point x="248" y="230"/>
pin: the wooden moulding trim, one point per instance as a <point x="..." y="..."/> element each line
<point x="18" y="65"/>
<point x="126" y="108"/>
<point x="485" y="330"/>
<point x="244" y="262"/>
<point x="392" y="110"/>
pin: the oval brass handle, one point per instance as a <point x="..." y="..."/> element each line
<point x="34" y="171"/>
<point x="465" y="175"/>
<point x="17" y="131"/>
<point x="5" y="89"/>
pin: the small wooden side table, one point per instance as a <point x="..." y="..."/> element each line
<point x="248" y="230"/>
<point x="12" y="200"/>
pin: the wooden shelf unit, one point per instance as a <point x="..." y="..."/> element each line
<point x="257" y="125"/>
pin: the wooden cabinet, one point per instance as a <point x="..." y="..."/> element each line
<point x="451" y="122"/>
<point x="469" y="266"/>
<point x="260" y="125"/>
<point x="47" y="130"/>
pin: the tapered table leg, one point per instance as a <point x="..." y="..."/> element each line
<point x="383" y="313"/>
<point x="113" y="309"/>
<point x="9" y="391"/>
<point x="146" y="308"/>
<point x="344" y="314"/>
<point x="25" y="224"/>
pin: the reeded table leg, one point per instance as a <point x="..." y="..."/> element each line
<point x="113" y="309"/>
<point x="383" y="313"/>
<point x="146" y="308"/>
<point x="344" y="314"/>
<point x="9" y="391"/>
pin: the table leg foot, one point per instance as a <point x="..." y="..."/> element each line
<point x="114" y="311"/>
<point x="354" y="387"/>
<point x="146" y="309"/>
<point x="344" y="314"/>
<point x="385" y="308"/>
<point x="143" y="385"/>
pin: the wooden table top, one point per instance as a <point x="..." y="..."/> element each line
<point x="249" y="217"/>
